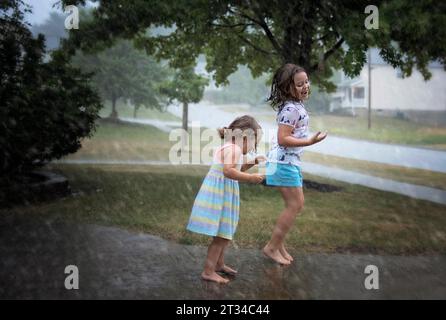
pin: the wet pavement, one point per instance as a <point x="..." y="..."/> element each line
<point x="407" y="189"/>
<point x="118" y="264"/>
<point x="162" y="125"/>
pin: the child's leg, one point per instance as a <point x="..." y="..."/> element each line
<point x="294" y="201"/>
<point x="214" y="251"/>
<point x="221" y="266"/>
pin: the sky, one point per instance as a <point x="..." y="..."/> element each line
<point x="41" y="10"/>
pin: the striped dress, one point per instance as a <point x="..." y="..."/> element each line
<point x="216" y="207"/>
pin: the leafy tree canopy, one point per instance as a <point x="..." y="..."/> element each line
<point x="318" y="35"/>
<point x="186" y="86"/>
<point x="123" y="72"/>
<point x="46" y="108"/>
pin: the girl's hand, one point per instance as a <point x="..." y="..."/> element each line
<point x="260" y="159"/>
<point x="317" y="137"/>
<point x="256" y="178"/>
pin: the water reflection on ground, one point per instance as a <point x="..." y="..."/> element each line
<point x="117" y="264"/>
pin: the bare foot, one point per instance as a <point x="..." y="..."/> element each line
<point x="285" y="254"/>
<point x="275" y="255"/>
<point x="214" y="277"/>
<point x="227" y="270"/>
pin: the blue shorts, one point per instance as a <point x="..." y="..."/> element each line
<point x="283" y="175"/>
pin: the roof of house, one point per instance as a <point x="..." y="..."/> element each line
<point x="351" y="82"/>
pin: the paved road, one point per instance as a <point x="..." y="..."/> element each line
<point x="411" y="157"/>
<point x="117" y="264"/>
<point x="411" y="190"/>
<point x="165" y="126"/>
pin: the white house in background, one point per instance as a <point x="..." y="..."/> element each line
<point x="390" y="92"/>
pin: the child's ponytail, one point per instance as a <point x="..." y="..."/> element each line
<point x="221" y="132"/>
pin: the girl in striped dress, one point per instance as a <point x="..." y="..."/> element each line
<point x="216" y="208"/>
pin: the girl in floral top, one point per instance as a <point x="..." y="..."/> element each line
<point x="289" y="89"/>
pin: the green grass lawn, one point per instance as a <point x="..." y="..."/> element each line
<point x="158" y="199"/>
<point x="125" y="142"/>
<point x="129" y="141"/>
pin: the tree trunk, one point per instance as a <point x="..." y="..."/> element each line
<point x="289" y="51"/>
<point x="114" y="113"/>
<point x="297" y="39"/>
<point x="369" y="113"/>
<point x="185" y="132"/>
<point x="135" y="109"/>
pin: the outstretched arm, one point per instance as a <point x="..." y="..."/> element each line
<point x="286" y="139"/>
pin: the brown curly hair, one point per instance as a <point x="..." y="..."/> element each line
<point x="282" y="85"/>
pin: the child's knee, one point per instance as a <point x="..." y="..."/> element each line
<point x="299" y="209"/>
<point x="296" y="207"/>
